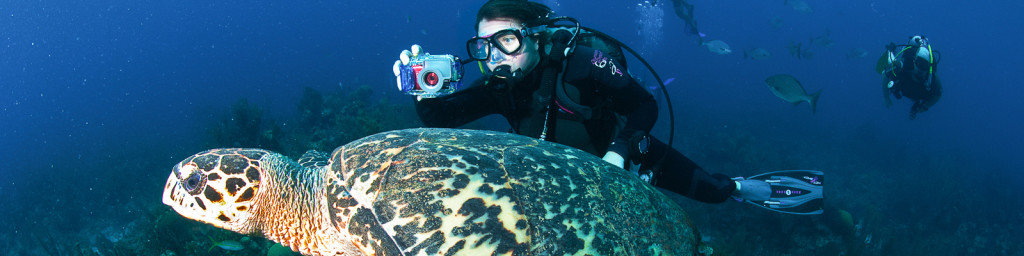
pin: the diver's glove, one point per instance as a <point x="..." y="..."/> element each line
<point x="616" y="152"/>
<point x="403" y="59"/>
<point x="406" y="55"/>
<point x="615" y="156"/>
<point x="615" y="159"/>
<point x="751" y="190"/>
<point x="890" y="47"/>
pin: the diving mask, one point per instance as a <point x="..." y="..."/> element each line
<point x="508" y="41"/>
<point x="919" y="41"/>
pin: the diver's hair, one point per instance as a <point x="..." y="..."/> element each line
<point x="530" y="13"/>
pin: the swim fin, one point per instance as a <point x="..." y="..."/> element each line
<point x="793" y="191"/>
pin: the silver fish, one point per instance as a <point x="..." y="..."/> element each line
<point x="787" y="88"/>
<point x="777" y="23"/>
<point x="757" y="54"/>
<point x="799" y="51"/>
<point x="856" y="53"/>
<point x="717" y="46"/>
<point x="799" y="5"/>
<point x="823" y="40"/>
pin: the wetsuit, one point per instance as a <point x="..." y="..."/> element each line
<point x="620" y="108"/>
<point x="685" y="11"/>
<point x="911" y="83"/>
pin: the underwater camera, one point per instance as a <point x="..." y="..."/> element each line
<point x="430" y="76"/>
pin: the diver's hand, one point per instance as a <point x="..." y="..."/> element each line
<point x="405" y="56"/>
<point x="614" y="159"/>
<point x="403" y="59"/>
<point x="616" y="151"/>
<point x="891" y="47"/>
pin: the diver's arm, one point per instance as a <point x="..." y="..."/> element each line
<point x="628" y="98"/>
<point x="639" y="107"/>
<point x="458" y="108"/>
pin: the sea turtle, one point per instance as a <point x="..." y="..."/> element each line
<point x="433" y="192"/>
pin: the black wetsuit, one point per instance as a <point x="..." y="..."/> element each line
<point x="685" y="11"/>
<point x="913" y="84"/>
<point x="597" y="82"/>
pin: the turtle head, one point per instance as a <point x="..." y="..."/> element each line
<point x="217" y="187"/>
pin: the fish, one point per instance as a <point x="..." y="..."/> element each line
<point x="787" y="88"/>
<point x="757" y="54"/>
<point x="230" y="245"/>
<point x="794" y="49"/>
<point x="777" y="22"/>
<point x="856" y="53"/>
<point x="669" y="80"/>
<point x="823" y="40"/>
<point x="799" y="5"/>
<point x="798" y="51"/>
<point x="654" y="88"/>
<point x="807" y="54"/>
<point x="717" y="46"/>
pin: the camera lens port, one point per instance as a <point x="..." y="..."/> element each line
<point x="431" y="78"/>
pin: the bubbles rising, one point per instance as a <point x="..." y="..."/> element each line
<point x="650" y="18"/>
<point x="553" y="4"/>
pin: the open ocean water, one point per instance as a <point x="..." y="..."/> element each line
<point x="99" y="99"/>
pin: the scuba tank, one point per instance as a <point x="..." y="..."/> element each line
<point x="559" y="48"/>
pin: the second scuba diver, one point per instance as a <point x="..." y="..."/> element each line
<point x="909" y="71"/>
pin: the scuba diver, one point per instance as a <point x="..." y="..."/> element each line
<point x="549" y="84"/>
<point x="909" y="70"/>
<point x="685" y="11"/>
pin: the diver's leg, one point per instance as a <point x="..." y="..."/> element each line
<point x="679" y="174"/>
<point x="933" y="95"/>
<point x="930" y="99"/>
<point x="885" y="90"/>
<point x="916" y="108"/>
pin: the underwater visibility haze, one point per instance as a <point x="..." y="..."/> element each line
<point x="99" y="99"/>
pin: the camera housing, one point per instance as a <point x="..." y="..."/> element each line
<point x="430" y="76"/>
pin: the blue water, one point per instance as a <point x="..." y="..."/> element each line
<point x="98" y="99"/>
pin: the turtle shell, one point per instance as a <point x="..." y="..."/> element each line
<point x="468" y="192"/>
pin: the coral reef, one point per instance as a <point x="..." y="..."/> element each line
<point x="244" y="128"/>
<point x="331" y="120"/>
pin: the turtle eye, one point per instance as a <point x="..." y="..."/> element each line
<point x="192" y="182"/>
